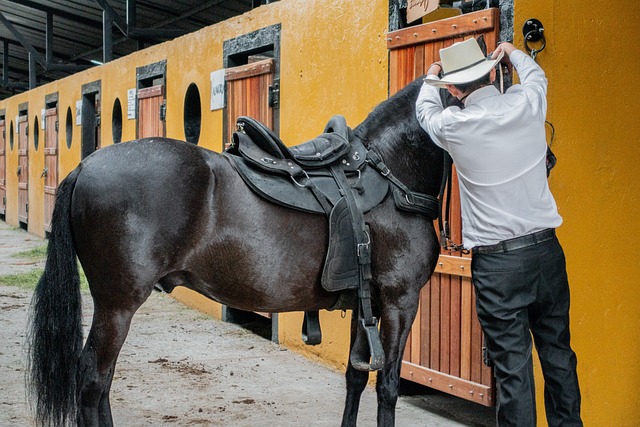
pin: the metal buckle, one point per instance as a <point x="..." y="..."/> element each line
<point x="297" y="183"/>
<point x="364" y="245"/>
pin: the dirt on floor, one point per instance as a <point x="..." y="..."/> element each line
<point x="180" y="367"/>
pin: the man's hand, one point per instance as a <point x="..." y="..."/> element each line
<point x="507" y="48"/>
<point x="434" y="69"/>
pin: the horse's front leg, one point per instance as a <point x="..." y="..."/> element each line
<point x="398" y="313"/>
<point x="356" y="382"/>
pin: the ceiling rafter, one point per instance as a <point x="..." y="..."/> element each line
<point x="64" y="36"/>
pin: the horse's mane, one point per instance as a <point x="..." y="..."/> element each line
<point x="393" y="131"/>
<point x="399" y="110"/>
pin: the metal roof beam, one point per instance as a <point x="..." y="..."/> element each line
<point x="118" y="21"/>
<point x="58" y="12"/>
<point x="5" y="83"/>
<point x="34" y="55"/>
<point x="23" y="41"/>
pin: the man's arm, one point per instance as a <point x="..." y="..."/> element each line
<point x="529" y="71"/>
<point x="429" y="107"/>
<point x="532" y="77"/>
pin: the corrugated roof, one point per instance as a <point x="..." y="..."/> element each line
<point x="77" y="39"/>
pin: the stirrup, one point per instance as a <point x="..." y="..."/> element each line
<point x="311" y="333"/>
<point x="367" y="353"/>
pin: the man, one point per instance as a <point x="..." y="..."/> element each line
<point x="509" y="216"/>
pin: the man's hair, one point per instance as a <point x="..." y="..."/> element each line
<point x="474" y="85"/>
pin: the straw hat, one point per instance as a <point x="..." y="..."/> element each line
<point x="463" y="62"/>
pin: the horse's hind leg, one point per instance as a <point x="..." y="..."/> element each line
<point x="97" y="363"/>
<point x="356" y="383"/>
<point x="396" y="320"/>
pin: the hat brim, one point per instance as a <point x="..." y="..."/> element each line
<point x="465" y="76"/>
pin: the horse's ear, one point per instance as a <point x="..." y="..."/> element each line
<point x="482" y="44"/>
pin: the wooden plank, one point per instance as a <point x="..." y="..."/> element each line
<point x="476" y="344"/>
<point x="425" y="319"/>
<point x="266" y="66"/>
<point x="419" y="63"/>
<point x="394" y="63"/>
<point x="416" y="337"/>
<point x="471" y="23"/>
<point x="465" y="330"/>
<point x="453" y="265"/>
<point x="465" y="389"/>
<point x="150" y="92"/>
<point x="434" y="324"/>
<point x="455" y="309"/>
<point x="445" y="323"/>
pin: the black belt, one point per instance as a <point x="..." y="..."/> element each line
<point x="517" y="242"/>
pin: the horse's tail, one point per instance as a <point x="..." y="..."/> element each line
<point x="55" y="324"/>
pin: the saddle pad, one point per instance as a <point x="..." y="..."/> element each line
<point x="283" y="191"/>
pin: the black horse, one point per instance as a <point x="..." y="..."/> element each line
<point x="159" y="211"/>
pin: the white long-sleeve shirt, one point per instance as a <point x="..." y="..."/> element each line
<point x="498" y="145"/>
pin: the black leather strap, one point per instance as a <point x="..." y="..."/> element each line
<point x="405" y="199"/>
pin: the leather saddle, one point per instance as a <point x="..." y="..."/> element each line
<point x="285" y="175"/>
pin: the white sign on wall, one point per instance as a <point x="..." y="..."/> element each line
<point x="217" y="90"/>
<point x="131" y="104"/>
<point x="78" y="113"/>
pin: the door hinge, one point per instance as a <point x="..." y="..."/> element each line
<point x="26" y="208"/>
<point x="98" y="119"/>
<point x="274" y="95"/>
<point x="57" y="124"/>
<point x="163" y="111"/>
<point x="26" y="129"/>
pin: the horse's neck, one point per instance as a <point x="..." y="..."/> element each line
<point x="415" y="161"/>
<point x="393" y="131"/>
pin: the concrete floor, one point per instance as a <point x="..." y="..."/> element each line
<point x="182" y="368"/>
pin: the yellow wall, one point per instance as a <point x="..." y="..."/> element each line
<point x="591" y="60"/>
<point x="334" y="61"/>
<point x="327" y="68"/>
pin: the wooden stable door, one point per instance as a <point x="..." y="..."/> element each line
<point x="3" y="169"/>
<point x="248" y="89"/>
<point x="23" y="169"/>
<point x="444" y="350"/>
<point x="50" y="173"/>
<point x="151" y="106"/>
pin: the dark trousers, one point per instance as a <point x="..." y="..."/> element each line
<point x="521" y="293"/>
